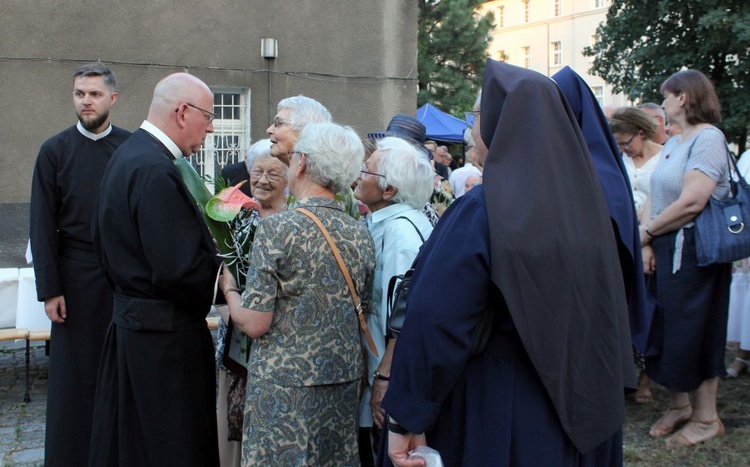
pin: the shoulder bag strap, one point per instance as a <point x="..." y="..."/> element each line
<point x="731" y="162"/>
<point x="414" y="225"/>
<point x="345" y="272"/>
<point x="382" y="244"/>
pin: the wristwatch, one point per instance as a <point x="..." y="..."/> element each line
<point x="380" y="377"/>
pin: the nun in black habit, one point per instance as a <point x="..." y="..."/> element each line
<point x="533" y="245"/>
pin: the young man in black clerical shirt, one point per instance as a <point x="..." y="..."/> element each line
<point x="76" y="296"/>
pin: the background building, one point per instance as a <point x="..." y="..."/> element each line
<point x="546" y="35"/>
<point x="357" y="58"/>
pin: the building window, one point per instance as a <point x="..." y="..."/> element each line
<point x="231" y="137"/>
<point x="501" y="16"/>
<point x="557" y="7"/>
<point x="556" y="52"/>
<point x="526" y="57"/>
<point x="526" y="14"/>
<point x="598" y="94"/>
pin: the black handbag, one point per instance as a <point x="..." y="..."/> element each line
<point x="398" y="291"/>
<point x="398" y="294"/>
<point x="721" y="235"/>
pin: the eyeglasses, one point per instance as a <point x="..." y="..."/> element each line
<point x="626" y="143"/>
<point x="364" y="170"/>
<point x="209" y="116"/>
<point x="272" y="177"/>
<point x="277" y="122"/>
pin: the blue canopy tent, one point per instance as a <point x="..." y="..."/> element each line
<point x="440" y="125"/>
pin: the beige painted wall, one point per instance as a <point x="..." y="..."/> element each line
<point x="573" y="28"/>
<point x="358" y="58"/>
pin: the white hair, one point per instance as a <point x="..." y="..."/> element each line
<point x="406" y="169"/>
<point x="258" y="148"/>
<point x="334" y="154"/>
<point x="468" y="139"/>
<point x="478" y="103"/>
<point x="304" y="111"/>
<point x="656" y="108"/>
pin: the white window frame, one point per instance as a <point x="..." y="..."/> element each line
<point x="526" y="11"/>
<point x="526" y="56"/>
<point x="231" y="137"/>
<point x="598" y="94"/>
<point x="556" y="8"/>
<point x="556" y="53"/>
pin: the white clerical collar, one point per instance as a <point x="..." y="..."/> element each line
<point x="161" y="136"/>
<point x="92" y="136"/>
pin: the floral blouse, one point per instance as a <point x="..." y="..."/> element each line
<point x="314" y="337"/>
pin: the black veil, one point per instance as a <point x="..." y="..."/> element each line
<point x="553" y="251"/>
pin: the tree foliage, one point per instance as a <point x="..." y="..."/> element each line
<point x="643" y="42"/>
<point x="452" y="53"/>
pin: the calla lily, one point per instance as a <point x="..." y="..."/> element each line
<point x="227" y="204"/>
<point x="226" y="238"/>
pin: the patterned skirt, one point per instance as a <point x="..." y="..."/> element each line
<point x="300" y="426"/>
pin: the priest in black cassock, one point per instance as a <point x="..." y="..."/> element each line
<point x="156" y="393"/>
<point x="77" y="298"/>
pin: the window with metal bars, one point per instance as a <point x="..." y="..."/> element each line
<point x="231" y="137"/>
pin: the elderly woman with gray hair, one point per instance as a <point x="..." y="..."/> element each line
<point x="395" y="183"/>
<point x="306" y="360"/>
<point x="268" y="177"/>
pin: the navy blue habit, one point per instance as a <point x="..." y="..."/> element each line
<point x="535" y="246"/>
<point x="607" y="159"/>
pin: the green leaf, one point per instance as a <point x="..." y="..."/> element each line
<point x="644" y="42"/>
<point x="227" y="203"/>
<point x="452" y="46"/>
<point x="219" y="230"/>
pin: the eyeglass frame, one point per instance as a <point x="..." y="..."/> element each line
<point x="266" y="174"/>
<point x="364" y="171"/>
<point x="209" y="116"/>
<point x="627" y="143"/>
<point x="277" y="122"/>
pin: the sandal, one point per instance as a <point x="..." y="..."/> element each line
<point x="695" y="432"/>
<point x="663" y="428"/>
<point x="738" y="367"/>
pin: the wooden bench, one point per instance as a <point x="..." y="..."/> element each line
<point x="33" y="336"/>
<point x="13" y="334"/>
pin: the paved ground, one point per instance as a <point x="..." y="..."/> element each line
<point x="22" y="424"/>
<point x="14" y="232"/>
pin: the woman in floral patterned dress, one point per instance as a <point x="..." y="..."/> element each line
<point x="306" y="359"/>
<point x="268" y="181"/>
